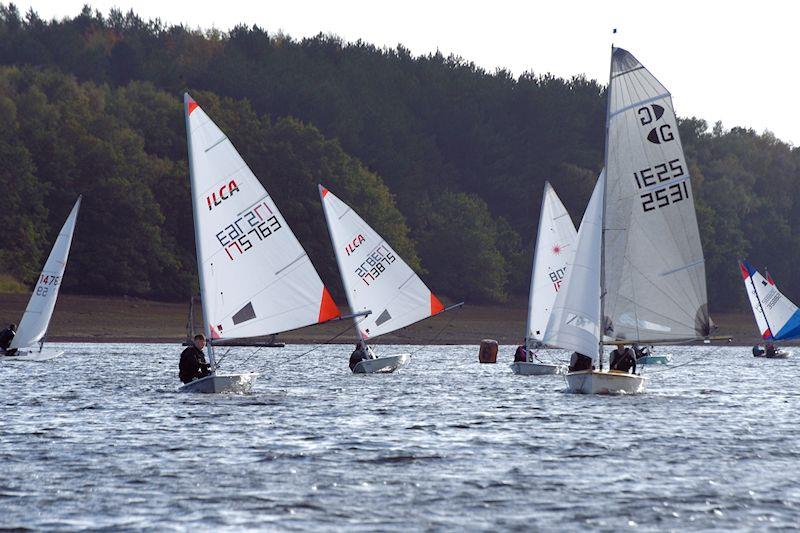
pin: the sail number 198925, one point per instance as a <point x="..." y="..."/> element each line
<point x="668" y="194"/>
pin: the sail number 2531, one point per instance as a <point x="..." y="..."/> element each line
<point x="668" y="194"/>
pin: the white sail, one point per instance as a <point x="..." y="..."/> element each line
<point x="655" y="286"/>
<point x="255" y="277"/>
<point x="755" y="304"/>
<point x="35" y="321"/>
<point x="374" y="276"/>
<point x="575" y="320"/>
<point x="777" y="317"/>
<point x="555" y="249"/>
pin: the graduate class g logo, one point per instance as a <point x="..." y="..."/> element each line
<point x="653" y="113"/>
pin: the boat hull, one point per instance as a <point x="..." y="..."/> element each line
<point x="383" y="365"/>
<point x="611" y="382"/>
<point x="524" y="368"/>
<point x="780" y="354"/>
<point x="655" y="360"/>
<point x="33" y="355"/>
<point x="222" y="383"/>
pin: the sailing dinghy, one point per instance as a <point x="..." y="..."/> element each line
<point x="555" y="249"/>
<point x="28" y="343"/>
<point x="375" y="278"/>
<point x="255" y="277"/>
<point x="777" y="317"/>
<point x="645" y="242"/>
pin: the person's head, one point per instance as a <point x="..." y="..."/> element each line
<point x="12" y="327"/>
<point x="620" y="346"/>
<point x="199" y="341"/>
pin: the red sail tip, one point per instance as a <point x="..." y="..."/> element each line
<point x="214" y="334"/>
<point x="769" y="279"/>
<point x="767" y="334"/>
<point x="323" y="191"/>
<point x="191" y="105"/>
<point x="328" y="309"/>
<point x="745" y="273"/>
<point x="436" y="305"/>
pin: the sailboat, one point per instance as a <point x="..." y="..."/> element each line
<point x="555" y="249"/>
<point x="255" y="277"/>
<point x="777" y="317"/>
<point x="645" y="248"/>
<point x="28" y="343"/>
<point x="375" y="278"/>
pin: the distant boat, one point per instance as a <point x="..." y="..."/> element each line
<point x="555" y="249"/>
<point x="375" y="278"/>
<point x="255" y="277"/>
<point x="639" y="255"/>
<point x="777" y="317"/>
<point x="32" y="329"/>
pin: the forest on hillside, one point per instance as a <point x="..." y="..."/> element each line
<point x="446" y="160"/>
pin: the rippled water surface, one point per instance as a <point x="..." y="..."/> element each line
<point x="99" y="439"/>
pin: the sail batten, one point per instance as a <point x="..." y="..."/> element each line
<point x="36" y="319"/>
<point x="256" y="279"/>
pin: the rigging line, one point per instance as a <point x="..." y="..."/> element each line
<point x="435" y="337"/>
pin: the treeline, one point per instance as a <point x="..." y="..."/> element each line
<point x="94" y="106"/>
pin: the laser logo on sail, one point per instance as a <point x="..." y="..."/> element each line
<point x="225" y="192"/>
<point x="351" y="246"/>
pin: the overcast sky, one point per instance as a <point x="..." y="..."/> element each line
<point x="732" y="61"/>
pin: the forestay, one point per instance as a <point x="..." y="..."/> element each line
<point x="575" y="320"/>
<point x="255" y="277"/>
<point x="654" y="284"/>
<point x="374" y="276"/>
<point x="33" y="326"/>
<point x="555" y="249"/>
<point x="777" y="317"/>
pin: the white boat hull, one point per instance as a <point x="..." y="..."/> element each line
<point x="524" y="368"/>
<point x="611" y="382"/>
<point x="382" y="364"/>
<point x="780" y="354"/>
<point x="655" y="360"/>
<point x="220" y="383"/>
<point x="33" y="355"/>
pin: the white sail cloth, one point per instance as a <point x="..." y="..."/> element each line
<point x="374" y="276"/>
<point x="575" y="320"/>
<point x="654" y="284"/>
<point x="36" y="319"/>
<point x="555" y="250"/>
<point x="255" y="277"/>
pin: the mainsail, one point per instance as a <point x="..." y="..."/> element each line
<point x="34" y="323"/>
<point x="255" y="277"/>
<point x="575" y="320"/>
<point x="374" y="276"/>
<point x="654" y="271"/>
<point x="555" y="249"/>
<point x="777" y="317"/>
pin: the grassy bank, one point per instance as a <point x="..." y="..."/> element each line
<point x="95" y="319"/>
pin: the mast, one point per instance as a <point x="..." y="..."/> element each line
<point x="603" y="218"/>
<point x="760" y="306"/>
<point x="198" y="243"/>
<point x="533" y="271"/>
<point x="347" y="289"/>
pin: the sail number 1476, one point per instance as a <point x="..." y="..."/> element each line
<point x="669" y="193"/>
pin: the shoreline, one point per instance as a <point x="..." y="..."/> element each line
<point x="105" y="320"/>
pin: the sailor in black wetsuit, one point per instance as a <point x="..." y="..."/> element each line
<point x="7" y="335"/>
<point x="359" y="354"/>
<point x="623" y="359"/>
<point x="193" y="363"/>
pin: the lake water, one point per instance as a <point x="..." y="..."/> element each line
<point x="100" y="439"/>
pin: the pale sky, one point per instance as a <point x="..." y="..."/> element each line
<point x="732" y="61"/>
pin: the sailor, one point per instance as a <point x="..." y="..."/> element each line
<point x="359" y="354"/>
<point x="7" y="335"/>
<point x="623" y="359"/>
<point x="193" y="363"/>
<point x="771" y="350"/>
<point x="757" y="351"/>
<point x="521" y="355"/>
<point x="641" y="352"/>
<point x="579" y="362"/>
